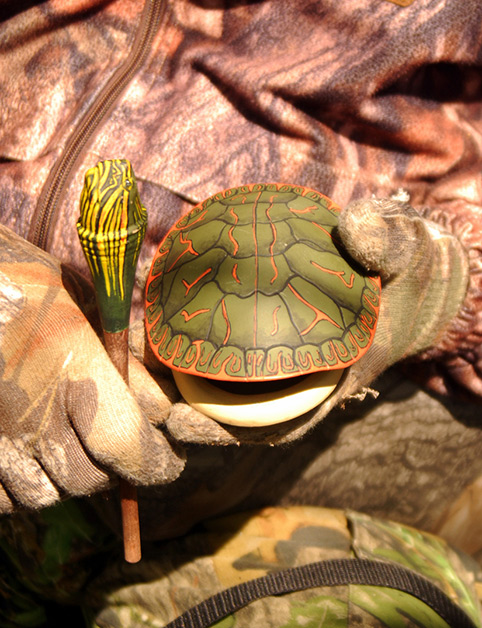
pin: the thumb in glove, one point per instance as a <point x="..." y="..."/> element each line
<point x="424" y="270"/>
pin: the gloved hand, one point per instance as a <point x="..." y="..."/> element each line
<point x="68" y="422"/>
<point x="424" y="273"/>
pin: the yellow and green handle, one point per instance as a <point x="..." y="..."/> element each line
<point x="111" y="228"/>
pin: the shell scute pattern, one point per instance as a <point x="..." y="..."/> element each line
<point x="251" y="284"/>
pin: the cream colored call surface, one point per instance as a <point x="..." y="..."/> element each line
<point x="258" y="409"/>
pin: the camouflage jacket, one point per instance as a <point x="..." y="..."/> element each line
<point x="63" y="561"/>
<point x="353" y="98"/>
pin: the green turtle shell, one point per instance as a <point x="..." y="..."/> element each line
<point x="252" y="284"/>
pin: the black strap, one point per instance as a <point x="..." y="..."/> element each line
<point x="322" y="574"/>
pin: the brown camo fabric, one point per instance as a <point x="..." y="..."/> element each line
<point x="353" y="98"/>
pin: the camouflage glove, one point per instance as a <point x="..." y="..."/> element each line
<point x="68" y="423"/>
<point x="424" y="272"/>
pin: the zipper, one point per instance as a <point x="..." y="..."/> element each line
<point x="54" y="188"/>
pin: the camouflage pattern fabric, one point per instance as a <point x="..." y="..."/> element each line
<point x="46" y="560"/>
<point x="353" y="99"/>
<point x="213" y="104"/>
<point x="63" y="561"/>
<point x="59" y="429"/>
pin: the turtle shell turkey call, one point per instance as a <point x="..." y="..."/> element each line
<point x="252" y="285"/>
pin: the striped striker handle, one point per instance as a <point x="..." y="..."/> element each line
<point x="111" y="228"/>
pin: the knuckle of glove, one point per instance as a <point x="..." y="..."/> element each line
<point x="25" y="482"/>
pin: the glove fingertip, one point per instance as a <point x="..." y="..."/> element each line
<point x="6" y="504"/>
<point x="380" y="234"/>
<point x="190" y="426"/>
